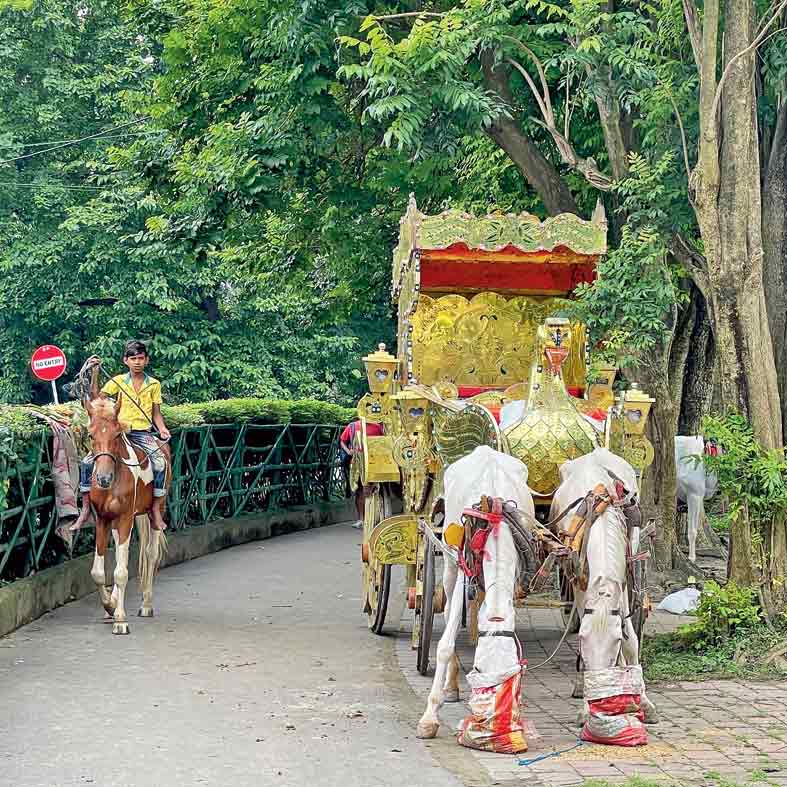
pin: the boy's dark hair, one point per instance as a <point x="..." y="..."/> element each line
<point x="134" y="347"/>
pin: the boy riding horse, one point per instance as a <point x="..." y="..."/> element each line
<point x="140" y="411"/>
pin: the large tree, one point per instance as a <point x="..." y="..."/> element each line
<point x="636" y="76"/>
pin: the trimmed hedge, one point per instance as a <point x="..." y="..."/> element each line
<point x="261" y="411"/>
<point x="18" y="421"/>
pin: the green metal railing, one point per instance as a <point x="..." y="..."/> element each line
<point x="218" y="470"/>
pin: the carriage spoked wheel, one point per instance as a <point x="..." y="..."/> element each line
<point x="376" y="576"/>
<point x="639" y="607"/>
<point x="424" y="617"/>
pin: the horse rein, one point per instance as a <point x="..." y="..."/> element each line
<point x="82" y="374"/>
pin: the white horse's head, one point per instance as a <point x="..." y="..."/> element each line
<point x="486" y="472"/>
<point x="604" y="605"/>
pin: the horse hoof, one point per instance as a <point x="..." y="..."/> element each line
<point x="582" y="718"/>
<point x="426" y="729"/>
<point x="651" y="716"/>
<point x="145" y="612"/>
<point x="451" y="695"/>
<point x="120" y="628"/>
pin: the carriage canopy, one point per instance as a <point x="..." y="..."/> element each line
<point x="472" y="291"/>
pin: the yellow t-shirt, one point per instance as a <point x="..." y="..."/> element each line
<point x="130" y="415"/>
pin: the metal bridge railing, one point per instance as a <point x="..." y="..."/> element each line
<point x="219" y="470"/>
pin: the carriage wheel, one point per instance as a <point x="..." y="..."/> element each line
<point x="379" y="590"/>
<point x="425" y="620"/>
<point x="567" y="596"/>
<point x="376" y="576"/>
<point x="638" y="607"/>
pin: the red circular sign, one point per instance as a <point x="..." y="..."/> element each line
<point x="48" y="362"/>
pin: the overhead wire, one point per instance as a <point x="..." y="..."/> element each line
<point x="43" y="184"/>
<point x="106" y="136"/>
<point x="75" y="142"/>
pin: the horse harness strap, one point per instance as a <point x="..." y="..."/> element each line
<point x="613" y="612"/>
<point x="105" y="453"/>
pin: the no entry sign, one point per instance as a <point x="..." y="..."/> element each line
<point x="48" y="362"/>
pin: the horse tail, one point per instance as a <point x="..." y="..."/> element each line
<point x="149" y="560"/>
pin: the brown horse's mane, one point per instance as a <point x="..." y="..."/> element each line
<point x="104" y="410"/>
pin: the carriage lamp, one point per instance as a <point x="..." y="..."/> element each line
<point x="636" y="406"/>
<point x="380" y="368"/>
<point x="414" y="411"/>
<point x="600" y="387"/>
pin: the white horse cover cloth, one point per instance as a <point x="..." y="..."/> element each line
<point x="494" y="723"/>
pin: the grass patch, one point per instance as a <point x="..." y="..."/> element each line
<point x="675" y="656"/>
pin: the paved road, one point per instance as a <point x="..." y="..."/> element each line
<point x="259" y="670"/>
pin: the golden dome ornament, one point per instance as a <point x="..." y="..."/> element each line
<point x="551" y="430"/>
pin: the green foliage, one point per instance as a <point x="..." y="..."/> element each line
<point x="753" y="480"/>
<point x="723" y="612"/>
<point x="269" y="411"/>
<point x="244" y="229"/>
<point x="729" y="639"/>
<point x="637" y="287"/>
<point x="673" y="657"/>
<point x="17" y="424"/>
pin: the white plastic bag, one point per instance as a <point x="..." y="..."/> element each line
<point x="681" y="602"/>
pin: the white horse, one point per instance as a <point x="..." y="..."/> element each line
<point x="603" y="608"/>
<point x="695" y="484"/>
<point x="483" y="472"/>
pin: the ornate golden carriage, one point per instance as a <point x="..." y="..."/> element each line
<point x="483" y="358"/>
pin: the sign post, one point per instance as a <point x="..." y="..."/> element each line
<point x="48" y="363"/>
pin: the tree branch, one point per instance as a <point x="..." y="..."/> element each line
<point x="407" y="14"/>
<point x="545" y="112"/>
<point x="507" y="133"/>
<point x="541" y="74"/>
<point x="692" y="23"/>
<point x="682" y="138"/>
<point x="587" y="167"/>
<point x="760" y="39"/>
<point x="694" y="262"/>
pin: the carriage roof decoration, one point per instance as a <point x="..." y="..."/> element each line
<point x="471" y="292"/>
<point x="484" y="357"/>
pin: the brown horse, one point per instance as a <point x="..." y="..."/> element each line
<point x="122" y="489"/>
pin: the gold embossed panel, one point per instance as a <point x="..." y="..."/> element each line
<point x="486" y="340"/>
<point x="394" y="540"/>
<point x="379" y="464"/>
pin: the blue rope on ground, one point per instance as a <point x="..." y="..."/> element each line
<point x="534" y="760"/>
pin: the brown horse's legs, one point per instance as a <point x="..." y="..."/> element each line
<point x="122" y="536"/>
<point x="97" y="571"/>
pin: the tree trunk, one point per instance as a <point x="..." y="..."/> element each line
<point x="729" y="211"/>
<point x="740" y="565"/>
<point x="774" y="239"/>
<point x="507" y="134"/>
<point x="699" y="368"/>
<point x="659" y="486"/>
<point x="729" y="214"/>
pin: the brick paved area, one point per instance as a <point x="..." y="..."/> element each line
<point x="708" y="732"/>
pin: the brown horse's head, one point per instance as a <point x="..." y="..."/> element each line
<point x="105" y="429"/>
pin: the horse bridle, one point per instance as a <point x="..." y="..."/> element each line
<point x="106" y="453"/>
